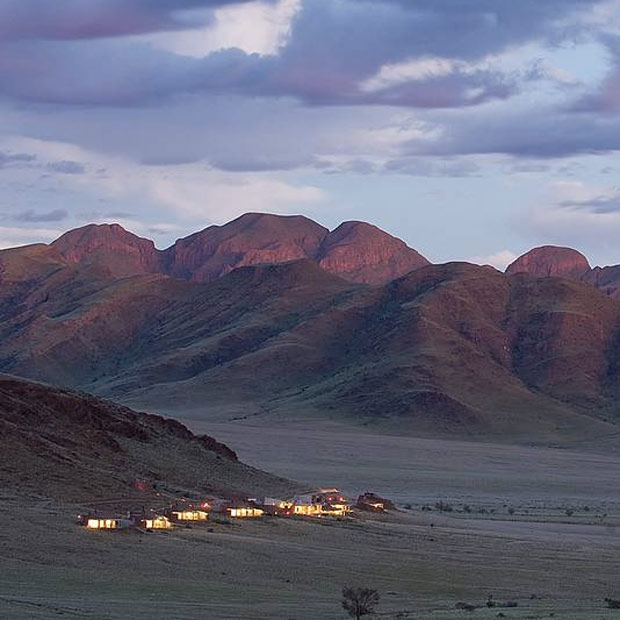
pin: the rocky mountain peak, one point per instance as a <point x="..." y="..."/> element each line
<point x="551" y="260"/>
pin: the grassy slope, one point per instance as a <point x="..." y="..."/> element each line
<point x="454" y="348"/>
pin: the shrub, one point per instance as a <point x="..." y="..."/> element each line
<point x="612" y="603"/>
<point x="359" y="602"/>
<point x="465" y="606"/>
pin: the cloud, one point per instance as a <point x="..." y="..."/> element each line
<point x="11" y="236"/>
<point x="219" y="197"/>
<point x="439" y="167"/>
<point x="255" y="27"/>
<point x="332" y="53"/>
<point x="500" y="260"/>
<point x="455" y="82"/>
<point x="190" y="192"/>
<point x="577" y="215"/>
<point x="57" y="215"/>
<point x="605" y="99"/>
<point x="66" y="167"/>
<point x="308" y="84"/>
<point x="607" y="202"/>
<point x="90" y="19"/>
<point x="8" y="159"/>
<point x="409" y="166"/>
<point x="538" y="131"/>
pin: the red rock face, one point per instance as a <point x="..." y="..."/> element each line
<point x="551" y="261"/>
<point x="252" y="239"/>
<point x="355" y="251"/>
<point x="110" y="249"/>
<point x="360" y="252"/>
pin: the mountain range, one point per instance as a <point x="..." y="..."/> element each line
<point x="276" y="316"/>
<point x="356" y="251"/>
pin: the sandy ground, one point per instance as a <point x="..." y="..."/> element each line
<point x="508" y="535"/>
<point x="410" y="469"/>
<point x="294" y="569"/>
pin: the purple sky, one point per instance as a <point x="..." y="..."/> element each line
<point x="473" y="129"/>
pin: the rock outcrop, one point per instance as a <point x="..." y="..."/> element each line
<point x="549" y="260"/>
<point x="109" y="249"/>
<point x="252" y="239"/>
<point x="360" y="252"/>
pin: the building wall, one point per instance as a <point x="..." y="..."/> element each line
<point x="107" y="524"/>
<point x="245" y="512"/>
<point x="191" y="515"/>
<point x="157" y="524"/>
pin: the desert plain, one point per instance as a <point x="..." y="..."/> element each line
<point x="531" y="525"/>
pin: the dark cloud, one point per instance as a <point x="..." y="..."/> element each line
<point x="66" y="167"/>
<point x="410" y="166"/>
<point x="431" y="167"/>
<point x="88" y="19"/>
<point x="362" y="30"/>
<point x="8" y="159"/>
<point x="332" y="48"/>
<point x="30" y="215"/>
<point x="539" y="132"/>
<point x="258" y="163"/>
<point x="600" y="204"/>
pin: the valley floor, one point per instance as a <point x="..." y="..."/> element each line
<point x="411" y="469"/>
<point x="508" y="534"/>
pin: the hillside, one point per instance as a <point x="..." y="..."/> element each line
<point x="550" y="260"/>
<point x="64" y="445"/>
<point x="450" y="349"/>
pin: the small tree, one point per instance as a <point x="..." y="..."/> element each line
<point x="359" y="602"/>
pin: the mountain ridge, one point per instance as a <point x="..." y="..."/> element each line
<point x="549" y="260"/>
<point x="357" y="251"/>
<point x="454" y="349"/>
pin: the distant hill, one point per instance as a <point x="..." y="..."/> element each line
<point x="357" y="251"/>
<point x="451" y="349"/>
<point x="61" y="444"/>
<point x="549" y="260"/>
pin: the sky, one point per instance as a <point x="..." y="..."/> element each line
<point x="472" y="129"/>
